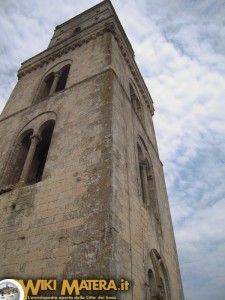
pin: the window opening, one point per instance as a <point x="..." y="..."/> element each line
<point x="41" y="164"/>
<point x="143" y="176"/>
<point x="162" y="281"/>
<point x="162" y="290"/>
<point x="135" y="102"/>
<point x="76" y="30"/>
<point x="22" y="149"/>
<point x="47" y="85"/>
<point x="54" y="82"/>
<point x="63" y="78"/>
<point x="17" y="161"/>
<point x="152" y="293"/>
<point x="148" y="189"/>
<point x="40" y="156"/>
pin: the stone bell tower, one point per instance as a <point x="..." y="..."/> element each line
<point x="82" y="190"/>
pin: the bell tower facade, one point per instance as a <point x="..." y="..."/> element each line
<point x="82" y="189"/>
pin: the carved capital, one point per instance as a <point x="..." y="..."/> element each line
<point x="35" y="138"/>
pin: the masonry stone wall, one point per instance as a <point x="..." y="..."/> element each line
<point x="135" y="230"/>
<point x="61" y="220"/>
<point x="126" y="77"/>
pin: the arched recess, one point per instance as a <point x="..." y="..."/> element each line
<point x="147" y="186"/>
<point x="161" y="275"/>
<point x="136" y="103"/>
<point x="162" y="291"/>
<point x="39" y="130"/>
<point x="37" y="122"/>
<point x="40" y="156"/>
<point x="18" y="157"/>
<point x="45" y="87"/>
<point x="152" y="292"/>
<point x="147" y="180"/>
<point x="166" y="279"/>
<point x="142" y="176"/>
<point x="63" y="75"/>
<point x="53" y="81"/>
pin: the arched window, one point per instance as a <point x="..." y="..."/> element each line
<point x="46" y="87"/>
<point x="26" y="162"/>
<point x="64" y="72"/>
<point x="143" y="176"/>
<point x="151" y="187"/>
<point x="34" y="153"/>
<point x="52" y="83"/>
<point x="18" y="158"/>
<point x="146" y="180"/>
<point x="136" y="104"/>
<point x="40" y="155"/>
<point x="161" y="275"/>
<point x="162" y="291"/>
<point x="152" y="293"/>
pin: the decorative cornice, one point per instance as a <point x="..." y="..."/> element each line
<point x="108" y="28"/>
<point x="58" y="53"/>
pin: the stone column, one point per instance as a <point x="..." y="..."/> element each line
<point x="54" y="84"/>
<point x="144" y="182"/>
<point x="35" y="139"/>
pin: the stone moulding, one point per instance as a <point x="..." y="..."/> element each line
<point x="108" y="28"/>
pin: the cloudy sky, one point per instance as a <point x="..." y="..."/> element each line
<point x="180" y="49"/>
